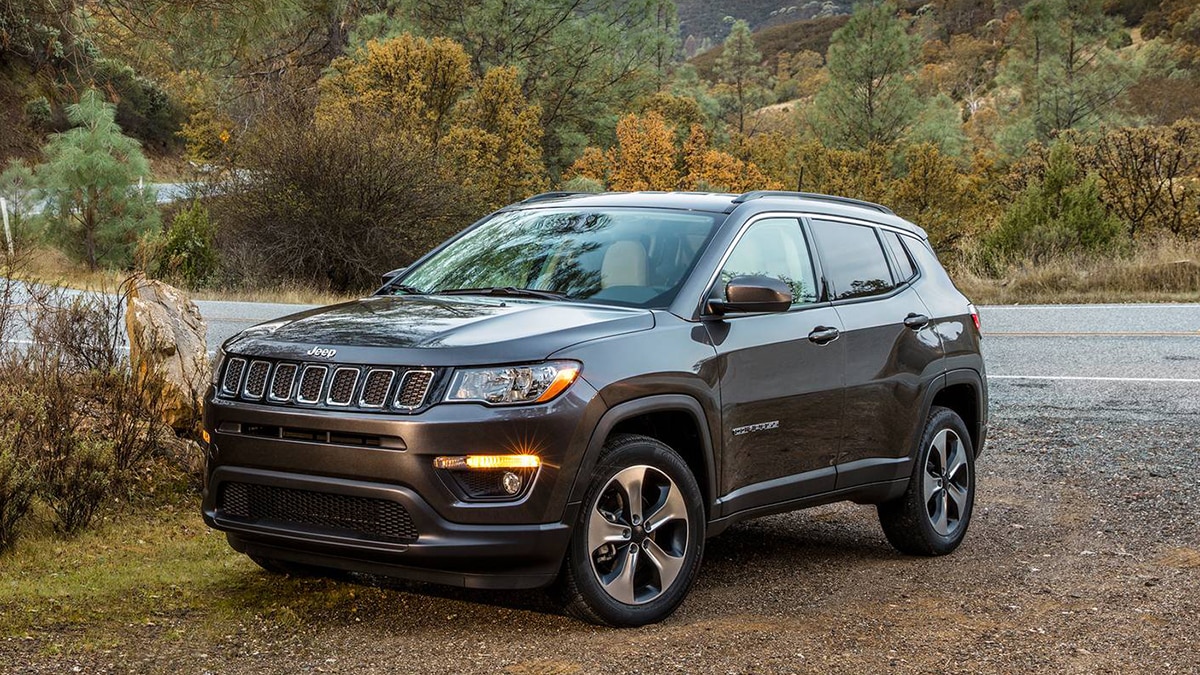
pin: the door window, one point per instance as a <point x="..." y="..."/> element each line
<point x="773" y="247"/>
<point x="852" y="260"/>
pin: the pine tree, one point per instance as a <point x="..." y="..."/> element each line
<point x="90" y="181"/>
<point x="740" y="67"/>
<point x="869" y="97"/>
<point x="1064" y="69"/>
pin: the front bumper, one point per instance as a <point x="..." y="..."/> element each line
<point x="474" y="556"/>
<point x="503" y="544"/>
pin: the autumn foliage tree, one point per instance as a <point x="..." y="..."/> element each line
<point x="405" y="145"/>
<point x="648" y="157"/>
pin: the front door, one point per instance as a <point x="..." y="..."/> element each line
<point x="780" y="376"/>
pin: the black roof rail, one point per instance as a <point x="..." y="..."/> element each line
<point x="759" y="194"/>
<point x="551" y="195"/>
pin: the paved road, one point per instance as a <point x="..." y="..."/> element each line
<point x="1041" y="358"/>
<point x="1079" y="355"/>
<point x="1091" y="359"/>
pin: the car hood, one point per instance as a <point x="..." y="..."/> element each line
<point x="437" y="330"/>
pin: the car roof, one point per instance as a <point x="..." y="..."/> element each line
<point x="717" y="202"/>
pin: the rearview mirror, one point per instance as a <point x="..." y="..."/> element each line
<point x="753" y="294"/>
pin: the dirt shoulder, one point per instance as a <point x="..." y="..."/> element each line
<point x="1084" y="556"/>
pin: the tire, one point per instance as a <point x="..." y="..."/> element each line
<point x="598" y="584"/>
<point x="932" y="516"/>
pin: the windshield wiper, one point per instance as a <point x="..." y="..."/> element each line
<point x="511" y="291"/>
<point x="407" y="290"/>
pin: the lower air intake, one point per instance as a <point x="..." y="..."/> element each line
<point x="377" y="519"/>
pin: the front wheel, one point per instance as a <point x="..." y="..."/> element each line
<point x="931" y="517"/>
<point x="639" y="538"/>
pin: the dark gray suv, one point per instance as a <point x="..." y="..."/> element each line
<point x="579" y="390"/>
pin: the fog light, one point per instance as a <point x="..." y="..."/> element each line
<point x="205" y="436"/>
<point x="511" y="482"/>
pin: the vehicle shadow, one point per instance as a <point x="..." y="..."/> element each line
<point x="785" y="548"/>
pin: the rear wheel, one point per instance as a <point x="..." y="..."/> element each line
<point x="639" y="539"/>
<point x="932" y="516"/>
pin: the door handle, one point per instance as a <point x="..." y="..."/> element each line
<point x="823" y="335"/>
<point x="916" y="321"/>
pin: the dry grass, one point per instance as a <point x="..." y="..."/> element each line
<point x="49" y="265"/>
<point x="1166" y="271"/>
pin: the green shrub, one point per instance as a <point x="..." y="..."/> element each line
<point x="187" y="254"/>
<point x="18" y="467"/>
<point x="39" y="113"/>
<point x="1059" y="214"/>
<point x="78" y="478"/>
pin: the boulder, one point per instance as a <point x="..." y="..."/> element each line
<point x="168" y="346"/>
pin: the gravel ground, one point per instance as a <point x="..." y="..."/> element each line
<point x="1083" y="556"/>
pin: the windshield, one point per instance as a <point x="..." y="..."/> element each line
<point x="635" y="257"/>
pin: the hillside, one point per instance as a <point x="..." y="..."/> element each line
<point x="702" y="23"/>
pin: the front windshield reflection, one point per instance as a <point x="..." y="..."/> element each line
<point x="636" y="257"/>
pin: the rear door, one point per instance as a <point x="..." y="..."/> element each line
<point x="780" y="375"/>
<point x="891" y="353"/>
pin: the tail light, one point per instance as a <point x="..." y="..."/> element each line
<point x="975" y="317"/>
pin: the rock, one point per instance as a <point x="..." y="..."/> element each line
<point x="168" y="342"/>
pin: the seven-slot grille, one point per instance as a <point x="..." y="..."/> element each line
<point x="378" y="519"/>
<point x="313" y="384"/>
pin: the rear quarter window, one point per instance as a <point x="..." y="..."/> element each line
<point x="905" y="269"/>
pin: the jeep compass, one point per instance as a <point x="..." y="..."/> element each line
<point x="578" y="390"/>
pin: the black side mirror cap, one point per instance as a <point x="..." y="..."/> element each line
<point x="753" y="294"/>
<point x="388" y="276"/>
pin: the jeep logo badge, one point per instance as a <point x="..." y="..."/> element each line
<point x="322" y="352"/>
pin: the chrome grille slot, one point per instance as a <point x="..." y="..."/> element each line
<point x="341" y="389"/>
<point x="375" y="388"/>
<point x="233" y="375"/>
<point x="281" y="384"/>
<point x="413" y="388"/>
<point x="311" y="381"/>
<point x="256" y="380"/>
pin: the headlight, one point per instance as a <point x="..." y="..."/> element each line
<point x="506" y="385"/>
<point x="217" y="361"/>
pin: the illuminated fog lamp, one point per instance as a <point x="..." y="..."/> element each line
<point x="486" y="462"/>
<point x="511" y="482"/>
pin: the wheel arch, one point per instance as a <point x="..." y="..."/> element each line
<point x="677" y="420"/>
<point x="964" y="392"/>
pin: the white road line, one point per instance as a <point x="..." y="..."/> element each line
<point x="1177" y="305"/>
<point x="1143" y="333"/>
<point x="18" y="341"/>
<point x="1078" y="378"/>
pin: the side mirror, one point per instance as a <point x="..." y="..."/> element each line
<point x="388" y="276"/>
<point x="753" y="294"/>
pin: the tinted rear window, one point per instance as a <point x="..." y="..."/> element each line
<point x="852" y="259"/>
